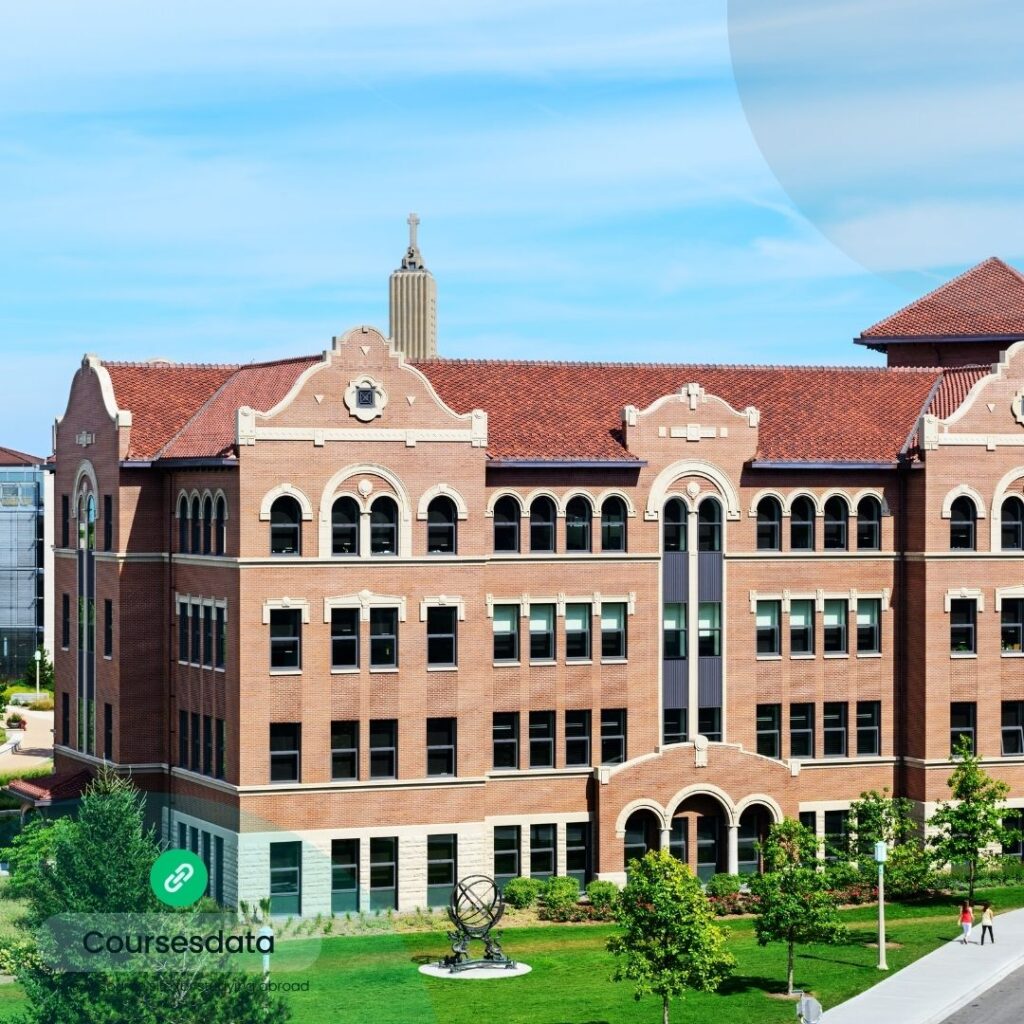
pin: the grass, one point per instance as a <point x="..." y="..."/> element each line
<point x="570" y="982"/>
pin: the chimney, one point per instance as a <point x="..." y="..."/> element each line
<point x="413" y="308"/>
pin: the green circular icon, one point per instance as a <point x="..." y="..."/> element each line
<point x="178" y="878"/>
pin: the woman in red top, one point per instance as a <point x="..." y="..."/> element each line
<point x="966" y="921"/>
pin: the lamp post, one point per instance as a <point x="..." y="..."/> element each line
<point x="39" y="657"/>
<point x="881" y="855"/>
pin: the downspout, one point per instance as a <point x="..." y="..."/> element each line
<point x="900" y="681"/>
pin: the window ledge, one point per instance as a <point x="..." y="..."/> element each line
<point x="962" y="655"/>
<point x="615" y="661"/>
<point x="768" y="657"/>
<point x="1011" y="654"/>
<point x="442" y="668"/>
<point x="286" y="671"/>
<point x="869" y="654"/>
<point x="579" y="661"/>
<point x="345" y="671"/>
<point x="221" y="669"/>
<point x="802" y="657"/>
<point x="384" y="671"/>
<point x="108" y="657"/>
<point x="542" y="663"/>
<point x="506" y="664"/>
<point x="836" y="656"/>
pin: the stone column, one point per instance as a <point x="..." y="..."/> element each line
<point x="666" y="838"/>
<point x="733" y="857"/>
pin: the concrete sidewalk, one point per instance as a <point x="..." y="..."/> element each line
<point x="938" y="984"/>
<point x="36" y="745"/>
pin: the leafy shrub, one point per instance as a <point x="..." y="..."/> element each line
<point x="16" y="953"/>
<point x="522" y="892"/>
<point x="561" y="892"/>
<point x="603" y="896"/>
<point x="723" y="885"/>
<point x="734" y="903"/>
<point x="15" y="721"/>
<point x="576" y="913"/>
<point x="3" y="736"/>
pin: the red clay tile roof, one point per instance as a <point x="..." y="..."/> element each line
<point x="955" y="385"/>
<point x="12" y="457"/>
<point x="573" y="411"/>
<point x="985" y="301"/>
<point x="51" y="788"/>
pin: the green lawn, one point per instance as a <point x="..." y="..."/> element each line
<point x="375" y="977"/>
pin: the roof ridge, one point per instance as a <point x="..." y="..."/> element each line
<point x="144" y="364"/>
<point x="592" y="364"/>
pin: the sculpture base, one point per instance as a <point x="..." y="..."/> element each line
<point x="480" y="970"/>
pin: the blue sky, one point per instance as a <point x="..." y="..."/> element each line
<point x="226" y="181"/>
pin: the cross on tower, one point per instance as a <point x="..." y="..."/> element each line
<point x="414" y="223"/>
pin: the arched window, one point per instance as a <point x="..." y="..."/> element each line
<point x="506" y="524"/>
<point x="542" y="524"/>
<point x="963" y="520"/>
<point x="578" y="517"/>
<point x="613" y="524"/>
<point x="869" y="524"/>
<point x="195" y="530"/>
<point x="769" y="524"/>
<point x="801" y="524"/>
<point x="384" y="527"/>
<point x="709" y="525"/>
<point x="1012" y="529"/>
<point x="441" y="526"/>
<point x="220" y="517"/>
<point x="674" y="526"/>
<point x="207" y="525"/>
<point x="837" y="514"/>
<point x="345" y="526"/>
<point x="285" y="526"/>
<point x="183" y="524"/>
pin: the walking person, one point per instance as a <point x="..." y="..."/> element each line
<point x="966" y="921"/>
<point x="986" y="923"/>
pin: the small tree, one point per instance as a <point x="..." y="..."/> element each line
<point x="970" y="823"/>
<point x="794" y="902"/>
<point x="670" y="941"/>
<point x="45" y="672"/>
<point x="880" y="817"/>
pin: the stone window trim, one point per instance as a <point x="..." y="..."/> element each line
<point x="285" y="604"/>
<point x="280" y="491"/>
<point x="213" y="495"/>
<point x="365" y="413"/>
<point x="560" y="600"/>
<point x="820" y="596"/>
<point x="1009" y="593"/>
<point x="973" y="594"/>
<point x="963" y="491"/>
<point x="364" y="600"/>
<point x="443" y="491"/>
<point x="443" y="601"/>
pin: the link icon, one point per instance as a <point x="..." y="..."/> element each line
<point x="178" y="878"/>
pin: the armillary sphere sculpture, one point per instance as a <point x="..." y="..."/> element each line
<point x="475" y="907"/>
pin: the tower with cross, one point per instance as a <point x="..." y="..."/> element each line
<point x="413" y="302"/>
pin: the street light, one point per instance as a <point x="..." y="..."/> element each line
<point x="39" y="657"/>
<point x="881" y="855"/>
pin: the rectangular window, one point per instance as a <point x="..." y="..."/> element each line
<point x="1011" y="625"/>
<point x="285" y="639"/>
<point x="577" y="632"/>
<point x="344" y="638"/>
<point x="285" y="748"/>
<point x="383" y="638"/>
<point x="65" y="621"/>
<point x="222" y="636"/>
<point x="962" y="722"/>
<point x="108" y="628"/>
<point x="768" y="640"/>
<point x="577" y="738"/>
<point x="441" y="746"/>
<point x="506" y="854"/>
<point x="869" y="633"/>
<point x="834" y="729"/>
<point x="869" y="728"/>
<point x="674" y="726"/>
<point x="65" y="521"/>
<point x="542" y="632"/>
<point x="769" y="730"/>
<point x="709" y="723"/>
<point x="286" y="879"/>
<point x="218" y="855"/>
<point x="383" y="748"/>
<point x="195" y="634"/>
<point x="506" y="632"/>
<point x="220" y="749"/>
<point x="577" y="851"/>
<point x="809" y="820"/>
<point x="183" y="621"/>
<point x="613" y="736"/>
<point x="542" y="851"/>
<point x="108" y="732"/>
<point x="345" y="750"/>
<point x="442" y="868"/>
<point x="1013" y="728"/>
<point x="963" y="617"/>
<point x="208" y="635"/>
<point x="801" y="626"/>
<point x="674" y="631"/>
<point x="836" y="842"/>
<point x="505" y="737"/>
<point x="207" y="745"/>
<point x="441" y="629"/>
<point x="709" y="630"/>
<point x="65" y="719"/>
<point x="613" y="630"/>
<point x="836" y="616"/>
<point x="542" y="739"/>
<point x="182" y="739"/>
<point x="344" y="875"/>
<point x="108" y="523"/>
<point x="801" y="730"/>
<point x="195" y="750"/>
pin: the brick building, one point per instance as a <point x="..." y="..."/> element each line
<point x="367" y="622"/>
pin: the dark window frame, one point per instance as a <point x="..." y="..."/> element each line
<point x="869" y="728"/>
<point x="543" y="520"/>
<point x="383" y="755"/>
<point x="384" y="538"/>
<point x="835" y="525"/>
<point x="344" y="533"/>
<point x="443" y="747"/>
<point x="442" y="526"/>
<point x="769" y="524"/>
<point x="835" y="729"/>
<point x="541" y="726"/>
<point x="614" y="527"/>
<point x="505" y="651"/>
<point x="285" y="647"/>
<point x="505" y="737"/>
<point x="442" y="636"/>
<point x="614" y="735"/>
<point x="285" y="527"/>
<point x="345" y="750"/>
<point x="285" y="761"/>
<point x="801" y="730"/>
<point x="508" y="513"/>
<point x="577" y="738"/>
<point x="802" y="516"/>
<point x="383" y="632"/>
<point x="579" y="522"/>
<point x="768" y="635"/>
<point x="769" y="730"/>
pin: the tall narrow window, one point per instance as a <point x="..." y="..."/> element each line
<point x="506" y="854"/>
<point x="542" y="524"/>
<point x="108" y="628"/>
<point x="801" y="626"/>
<point x="769" y="642"/>
<point x="108" y="732"/>
<point x="220" y="749"/>
<point x="285" y="526"/>
<point x="801" y="730"/>
<point x="577" y="632"/>
<point x="65" y="621"/>
<point x="769" y="730"/>
<point x="674" y="526"/>
<point x="383" y="748"/>
<point x="835" y="622"/>
<point x="1012" y="728"/>
<point x="869" y="631"/>
<point x="542" y="851"/>
<point x="285" y="751"/>
<point x="709" y="723"/>
<point x="869" y="524"/>
<point x="344" y="875"/>
<point x="441" y="637"/>
<point x="285" y="639"/>
<point x="577" y="738"/>
<point x="195" y="527"/>
<point x="65" y="520"/>
<point x="207" y="744"/>
<point x="345" y="526"/>
<point x="505" y="739"/>
<point x="801" y="524"/>
<point x="1011" y="625"/>
<point x="837" y="515"/>
<point x="220" y="522"/>
<point x="542" y="632"/>
<point x="709" y="525"/>
<point x="613" y="630"/>
<point x="506" y="632"/>
<point x="286" y="878"/>
<point x="384" y="873"/>
<point x="577" y="851"/>
<point x="542" y="739"/>
<point x="834" y="727"/>
<point x="195" y="634"/>
<point x="221" y="626"/>
<point x="506" y="524"/>
<point x="673" y="728"/>
<point x="345" y="750"/>
<point x="963" y="521"/>
<point x="344" y="638"/>
<point x="613" y="736"/>
<point x="769" y="524"/>
<point x="65" y="719"/>
<point x="442" y="519"/>
<point x="195" y="748"/>
<point x="208" y="635"/>
<point x="1011" y="528"/>
<point x="383" y="638"/>
<point x="613" y="524"/>
<point x="869" y="728"/>
<point x="108" y="522"/>
<point x="182" y="524"/>
<point x="182" y="739"/>
<point x="441" y="868"/>
<point x="208" y="525"/>
<point x="709" y="629"/>
<point x="441" y="746"/>
<point x="578" y="519"/>
<point x="963" y="616"/>
<point x="963" y="717"/>
<point x="674" y="631"/>
<point x="384" y="527"/>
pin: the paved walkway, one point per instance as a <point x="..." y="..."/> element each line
<point x="36" y="742"/>
<point x="937" y="985"/>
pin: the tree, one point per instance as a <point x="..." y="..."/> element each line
<point x="669" y="941"/>
<point x="880" y="817"/>
<point x="794" y="902"/>
<point x="45" y="672"/>
<point x="99" y="863"/>
<point x="970" y="823"/>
